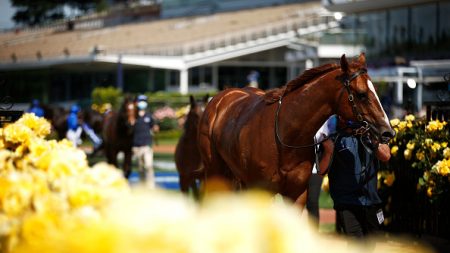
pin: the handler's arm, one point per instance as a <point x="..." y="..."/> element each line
<point x="328" y="147"/>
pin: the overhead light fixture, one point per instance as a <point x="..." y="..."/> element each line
<point x="338" y="16"/>
<point x="411" y="83"/>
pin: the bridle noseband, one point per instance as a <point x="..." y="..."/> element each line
<point x="365" y="126"/>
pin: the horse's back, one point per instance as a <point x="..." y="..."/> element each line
<point x="230" y="103"/>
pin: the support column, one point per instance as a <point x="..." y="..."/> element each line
<point x="167" y="83"/>
<point x="419" y="90"/>
<point x="399" y="92"/>
<point x="184" y="77"/>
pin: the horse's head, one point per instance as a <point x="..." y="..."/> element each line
<point x="359" y="102"/>
<point x="128" y="110"/>
<point x="195" y="112"/>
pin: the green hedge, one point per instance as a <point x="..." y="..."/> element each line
<point x="172" y="99"/>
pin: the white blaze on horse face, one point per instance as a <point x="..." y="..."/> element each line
<point x="372" y="88"/>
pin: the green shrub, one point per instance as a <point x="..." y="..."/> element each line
<point x="103" y="95"/>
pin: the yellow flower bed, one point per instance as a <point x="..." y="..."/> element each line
<point x="422" y="146"/>
<point x="45" y="184"/>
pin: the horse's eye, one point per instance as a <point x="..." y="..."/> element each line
<point x="362" y="96"/>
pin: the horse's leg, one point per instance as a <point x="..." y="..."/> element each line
<point x="193" y="186"/>
<point x="184" y="183"/>
<point x="296" y="184"/>
<point x="127" y="163"/>
<point x="301" y="200"/>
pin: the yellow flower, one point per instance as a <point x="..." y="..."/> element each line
<point x="442" y="167"/>
<point x="40" y="126"/>
<point x="389" y="180"/>
<point x="410" y="145"/>
<point x="394" y="150"/>
<point x="444" y="144"/>
<point x="37" y="227"/>
<point x="82" y="195"/>
<point x="325" y="184"/>
<point x="435" y="147"/>
<point x="430" y="192"/>
<point x="435" y="125"/>
<point x="16" y="193"/>
<point x="420" y="155"/>
<point x="402" y="125"/>
<point x="410" y="117"/>
<point x="407" y="154"/>
<point x="394" y="122"/>
<point x="426" y="176"/>
<point x="428" y="142"/>
<point x="446" y="153"/>
<point x="17" y="133"/>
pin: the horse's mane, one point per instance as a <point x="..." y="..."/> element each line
<point x="274" y="95"/>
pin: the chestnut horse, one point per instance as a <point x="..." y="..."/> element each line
<point x="187" y="155"/>
<point x="118" y="134"/>
<point x="265" y="139"/>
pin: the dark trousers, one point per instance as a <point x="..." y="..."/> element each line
<point x="312" y="204"/>
<point x="357" y="221"/>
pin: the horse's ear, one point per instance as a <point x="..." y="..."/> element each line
<point x="192" y="101"/>
<point x="205" y="98"/>
<point x="344" y="64"/>
<point x="362" y="59"/>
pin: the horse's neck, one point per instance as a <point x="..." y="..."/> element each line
<point x="314" y="104"/>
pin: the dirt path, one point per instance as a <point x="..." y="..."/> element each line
<point x="164" y="148"/>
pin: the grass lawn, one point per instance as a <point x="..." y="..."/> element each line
<point x="325" y="200"/>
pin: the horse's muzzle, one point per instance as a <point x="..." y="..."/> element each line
<point x="382" y="134"/>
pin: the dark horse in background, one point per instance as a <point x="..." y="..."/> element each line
<point x="118" y="134"/>
<point x="253" y="138"/>
<point x="187" y="154"/>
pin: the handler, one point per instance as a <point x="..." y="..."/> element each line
<point x="353" y="178"/>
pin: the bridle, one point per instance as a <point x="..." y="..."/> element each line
<point x="346" y="80"/>
<point x="365" y="126"/>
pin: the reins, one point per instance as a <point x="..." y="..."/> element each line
<point x="346" y="82"/>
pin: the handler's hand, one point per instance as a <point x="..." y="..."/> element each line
<point x="383" y="152"/>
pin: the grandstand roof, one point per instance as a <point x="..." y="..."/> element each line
<point x="169" y="37"/>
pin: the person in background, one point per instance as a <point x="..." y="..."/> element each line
<point x="252" y="78"/>
<point x="74" y="129"/>
<point x="36" y="108"/>
<point x="144" y="124"/>
<point x="353" y="180"/>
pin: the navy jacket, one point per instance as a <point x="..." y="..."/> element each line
<point x="353" y="174"/>
<point x="142" y="127"/>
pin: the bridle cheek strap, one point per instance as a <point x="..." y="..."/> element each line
<point x="351" y="98"/>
